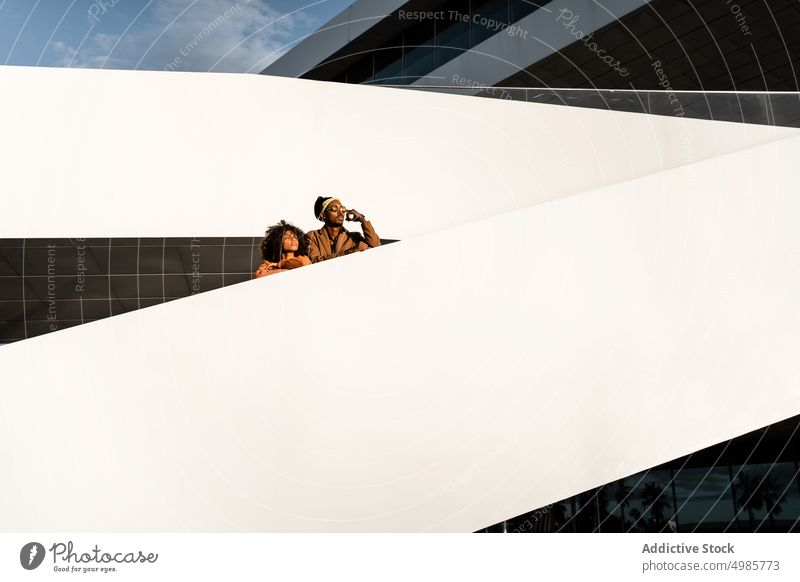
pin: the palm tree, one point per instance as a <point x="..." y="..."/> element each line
<point x="774" y="497"/>
<point x="586" y="514"/>
<point x="652" y="497"/>
<point x="559" y="515"/>
<point x="636" y="515"/>
<point x="601" y="506"/>
<point x="574" y="511"/>
<point x="622" y="495"/>
<point x="750" y="496"/>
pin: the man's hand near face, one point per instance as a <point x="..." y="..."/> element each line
<point x="355" y="215"/>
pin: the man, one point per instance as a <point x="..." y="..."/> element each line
<point x="333" y="240"/>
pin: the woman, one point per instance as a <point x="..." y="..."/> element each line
<point x="283" y="248"/>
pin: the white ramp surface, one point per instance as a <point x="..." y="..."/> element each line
<point x="96" y="153"/>
<point x="442" y="383"/>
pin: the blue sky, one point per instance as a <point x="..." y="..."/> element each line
<point x="183" y="35"/>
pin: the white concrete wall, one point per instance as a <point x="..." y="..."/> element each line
<point x="443" y="383"/>
<point x="122" y="153"/>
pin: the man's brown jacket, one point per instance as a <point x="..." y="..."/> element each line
<point x="322" y="248"/>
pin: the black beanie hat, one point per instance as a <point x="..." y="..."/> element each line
<point x="318" y="205"/>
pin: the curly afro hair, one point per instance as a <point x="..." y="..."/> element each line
<point x="272" y="244"/>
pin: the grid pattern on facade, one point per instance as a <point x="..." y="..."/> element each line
<point x="748" y="484"/>
<point x="748" y="45"/>
<point x="430" y="34"/>
<point x="702" y="45"/>
<point x="52" y="284"/>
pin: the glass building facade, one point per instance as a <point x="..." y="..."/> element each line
<point x="48" y="285"/>
<point x="52" y="284"/>
<point x="443" y="32"/>
<point x="656" y="45"/>
<point x="748" y="484"/>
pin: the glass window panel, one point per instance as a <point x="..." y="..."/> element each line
<point x="620" y="500"/>
<point x="767" y="496"/>
<point x="521" y="8"/>
<point x="418" y="50"/>
<point x="785" y="505"/>
<point x="704" y="499"/>
<point x="11" y="260"/>
<point x="651" y="505"/>
<point x="488" y="18"/>
<point x="452" y="39"/>
<point x="453" y="31"/>
<point x="419" y="62"/>
<point x="361" y="70"/>
<point x="389" y="63"/>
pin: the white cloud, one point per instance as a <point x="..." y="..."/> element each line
<point x="64" y="54"/>
<point x="105" y="41"/>
<point x="93" y="54"/>
<point x="190" y="35"/>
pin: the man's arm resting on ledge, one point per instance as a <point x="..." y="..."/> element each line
<point x="370" y="236"/>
